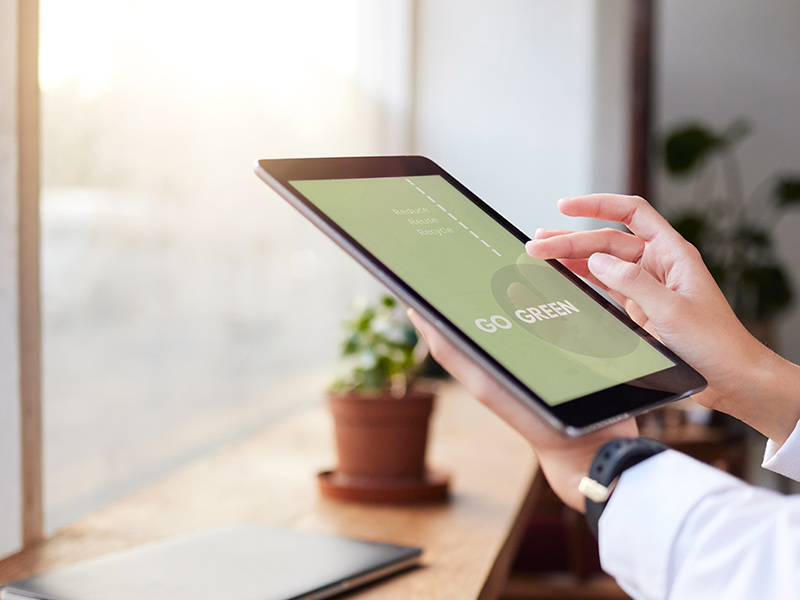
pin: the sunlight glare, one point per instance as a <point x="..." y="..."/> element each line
<point x="252" y="42"/>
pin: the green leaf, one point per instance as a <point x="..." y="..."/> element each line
<point x="736" y="131"/>
<point x="687" y="146"/>
<point x="410" y="337"/>
<point x="787" y="191"/>
<point x="373" y="380"/>
<point x="691" y="228"/>
<point x="379" y="344"/>
<point x="365" y="319"/>
<point x="772" y="289"/>
<point x="752" y="236"/>
<point x="351" y="344"/>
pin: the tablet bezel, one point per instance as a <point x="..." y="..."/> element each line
<point x="574" y="417"/>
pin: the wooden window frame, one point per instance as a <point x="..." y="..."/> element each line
<point x="22" y="173"/>
<point x="29" y="144"/>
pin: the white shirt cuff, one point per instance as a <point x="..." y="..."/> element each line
<point x="644" y="516"/>
<point x="784" y="459"/>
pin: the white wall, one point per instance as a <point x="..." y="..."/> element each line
<point x="722" y="59"/>
<point x="524" y="101"/>
<point x="386" y="71"/>
<point x="10" y="473"/>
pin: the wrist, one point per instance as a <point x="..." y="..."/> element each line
<point x="564" y="471"/>
<point x="763" y="394"/>
<point x="566" y="462"/>
<point x="772" y="404"/>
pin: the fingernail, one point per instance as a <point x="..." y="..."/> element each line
<point x="599" y="263"/>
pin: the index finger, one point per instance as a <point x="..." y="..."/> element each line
<point x="632" y="211"/>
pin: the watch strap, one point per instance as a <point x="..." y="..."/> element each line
<point x="609" y="463"/>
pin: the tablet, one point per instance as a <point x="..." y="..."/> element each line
<point x="544" y="334"/>
<point x="243" y="561"/>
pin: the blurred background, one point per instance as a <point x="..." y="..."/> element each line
<point x="185" y="305"/>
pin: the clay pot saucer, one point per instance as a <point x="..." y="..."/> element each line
<point x="432" y="487"/>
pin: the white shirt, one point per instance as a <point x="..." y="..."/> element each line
<point x="677" y="528"/>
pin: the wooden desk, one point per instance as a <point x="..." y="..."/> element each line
<point x="270" y="478"/>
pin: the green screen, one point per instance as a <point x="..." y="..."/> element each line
<point x="538" y="324"/>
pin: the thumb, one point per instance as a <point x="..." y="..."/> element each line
<point x="632" y="281"/>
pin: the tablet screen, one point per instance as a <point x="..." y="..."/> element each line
<point x="538" y="324"/>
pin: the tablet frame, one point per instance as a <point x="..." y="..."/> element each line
<point x="573" y="417"/>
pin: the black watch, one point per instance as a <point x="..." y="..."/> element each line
<point x="608" y="464"/>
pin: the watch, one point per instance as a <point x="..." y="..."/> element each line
<point x="608" y="464"/>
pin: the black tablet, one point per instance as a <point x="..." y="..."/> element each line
<point x="539" y="330"/>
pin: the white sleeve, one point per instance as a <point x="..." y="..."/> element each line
<point x="784" y="459"/>
<point x="677" y="528"/>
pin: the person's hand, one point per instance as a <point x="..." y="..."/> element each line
<point x="661" y="280"/>
<point x="564" y="461"/>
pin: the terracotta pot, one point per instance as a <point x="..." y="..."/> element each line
<point x="381" y="437"/>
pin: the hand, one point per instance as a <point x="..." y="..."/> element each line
<point x="661" y="280"/>
<point x="564" y="461"/>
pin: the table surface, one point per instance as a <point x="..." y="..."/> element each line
<point x="270" y="478"/>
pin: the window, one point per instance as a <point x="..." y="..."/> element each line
<point x="184" y="304"/>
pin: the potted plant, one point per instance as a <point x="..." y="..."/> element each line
<point x="381" y="410"/>
<point x="732" y="229"/>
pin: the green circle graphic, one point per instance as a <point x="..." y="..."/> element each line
<point x="589" y="330"/>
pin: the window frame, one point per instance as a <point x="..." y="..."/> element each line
<point x="21" y="459"/>
<point x="20" y="372"/>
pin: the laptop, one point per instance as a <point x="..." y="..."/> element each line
<point x="242" y="562"/>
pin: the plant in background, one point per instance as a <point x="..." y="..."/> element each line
<point x="381" y="412"/>
<point x="732" y="230"/>
<point x="378" y="351"/>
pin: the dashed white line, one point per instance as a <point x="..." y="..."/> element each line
<point x="452" y="216"/>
